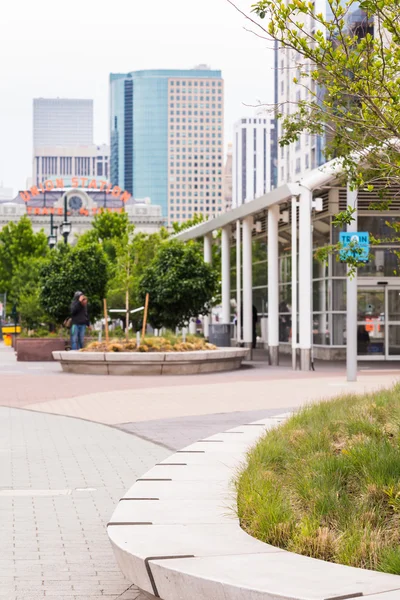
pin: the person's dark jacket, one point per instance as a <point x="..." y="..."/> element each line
<point x="79" y="313"/>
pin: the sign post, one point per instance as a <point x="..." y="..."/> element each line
<point x="354" y="244"/>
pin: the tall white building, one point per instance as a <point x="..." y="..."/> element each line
<point x="65" y="162"/>
<point x="252" y="159"/>
<point x="62" y="122"/>
<point x="296" y="159"/>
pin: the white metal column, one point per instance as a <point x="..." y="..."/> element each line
<point x="247" y="282"/>
<point x="207" y="259"/>
<point x="273" y="285"/>
<point x="351" y="300"/>
<point x="305" y="279"/>
<point x="238" y="282"/>
<point x="226" y="274"/>
<point x="294" y="282"/>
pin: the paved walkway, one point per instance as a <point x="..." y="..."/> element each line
<point x="61" y="476"/>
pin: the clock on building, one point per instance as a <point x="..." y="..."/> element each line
<point x="75" y="203"/>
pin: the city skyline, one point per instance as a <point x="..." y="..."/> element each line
<point x="152" y="37"/>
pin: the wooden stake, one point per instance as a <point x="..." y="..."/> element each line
<point x="106" y="320"/>
<point x="127" y="316"/>
<point x="146" y="307"/>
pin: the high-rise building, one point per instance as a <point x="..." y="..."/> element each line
<point x="62" y="122"/>
<point x="296" y="159"/>
<point x="66" y="162"/>
<point x="253" y="159"/>
<point x="167" y="134"/>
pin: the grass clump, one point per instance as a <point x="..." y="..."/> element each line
<point x="326" y="483"/>
<point x="152" y="344"/>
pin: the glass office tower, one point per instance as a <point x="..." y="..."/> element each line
<point x="166" y="130"/>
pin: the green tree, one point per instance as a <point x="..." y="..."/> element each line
<point x="20" y="247"/>
<point x="68" y="270"/>
<point x="196" y="220"/>
<point x="348" y="77"/>
<point x="180" y="284"/>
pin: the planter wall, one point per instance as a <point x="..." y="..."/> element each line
<point x="38" y="349"/>
<point x="152" y="363"/>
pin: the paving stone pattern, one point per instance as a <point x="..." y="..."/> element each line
<point x="181" y="431"/>
<point x="60" y="481"/>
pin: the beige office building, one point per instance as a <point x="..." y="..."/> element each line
<point x="195" y="145"/>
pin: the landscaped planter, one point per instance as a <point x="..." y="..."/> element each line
<point x="38" y="349"/>
<point x="152" y="363"/>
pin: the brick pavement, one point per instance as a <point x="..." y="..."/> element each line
<point x="61" y="479"/>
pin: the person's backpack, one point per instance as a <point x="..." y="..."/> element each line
<point x="68" y="323"/>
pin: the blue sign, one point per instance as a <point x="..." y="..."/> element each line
<point x="354" y="244"/>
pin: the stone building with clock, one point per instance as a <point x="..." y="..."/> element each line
<point x="82" y="205"/>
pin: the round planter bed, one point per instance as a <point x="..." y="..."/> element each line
<point x="152" y="363"/>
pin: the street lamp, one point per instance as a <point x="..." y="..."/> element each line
<point x="52" y="238"/>
<point x="65" y="227"/>
<point x="65" y="230"/>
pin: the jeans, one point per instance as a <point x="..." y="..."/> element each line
<point x="77" y="336"/>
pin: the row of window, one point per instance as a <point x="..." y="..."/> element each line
<point x="200" y="113"/>
<point x="196" y="127"/>
<point x="196" y="194"/>
<point x="205" y="105"/>
<point x="195" y="201"/>
<point x="197" y="98"/>
<point x="197" y="83"/>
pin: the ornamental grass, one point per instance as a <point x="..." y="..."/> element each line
<point x="152" y="344"/>
<point x="326" y="484"/>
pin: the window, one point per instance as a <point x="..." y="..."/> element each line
<point x="298" y="165"/>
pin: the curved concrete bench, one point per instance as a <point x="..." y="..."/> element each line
<point x="152" y="363"/>
<point x="175" y="535"/>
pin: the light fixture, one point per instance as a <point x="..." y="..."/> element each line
<point x="258" y="225"/>
<point x="284" y="216"/>
<point x="52" y="240"/>
<point x="65" y="230"/>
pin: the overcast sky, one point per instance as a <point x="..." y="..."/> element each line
<point x="51" y="49"/>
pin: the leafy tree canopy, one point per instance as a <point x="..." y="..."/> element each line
<point x="68" y="270"/>
<point x="348" y="76"/>
<point x="19" y="248"/>
<point x="180" y="284"/>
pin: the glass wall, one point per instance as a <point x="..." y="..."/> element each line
<point x="329" y="286"/>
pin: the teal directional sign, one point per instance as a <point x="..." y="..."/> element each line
<point x="354" y="244"/>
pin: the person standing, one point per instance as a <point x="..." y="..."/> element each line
<point x="79" y="320"/>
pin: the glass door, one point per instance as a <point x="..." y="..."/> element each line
<point x="371" y="332"/>
<point x="393" y="323"/>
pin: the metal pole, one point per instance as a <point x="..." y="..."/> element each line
<point x="294" y="283"/>
<point x="65" y="235"/>
<point x="238" y="282"/>
<point x="351" y="346"/>
<point x="273" y="285"/>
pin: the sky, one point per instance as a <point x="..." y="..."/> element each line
<point x="68" y="50"/>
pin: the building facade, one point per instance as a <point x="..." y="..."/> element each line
<point x="62" y="122"/>
<point x="71" y="161"/>
<point x="252" y="159"/>
<point x="228" y="179"/>
<point x="301" y="302"/>
<point x="297" y="159"/>
<point x="82" y="204"/>
<point x="166" y="138"/>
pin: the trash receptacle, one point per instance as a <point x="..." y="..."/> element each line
<point x="220" y="335"/>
